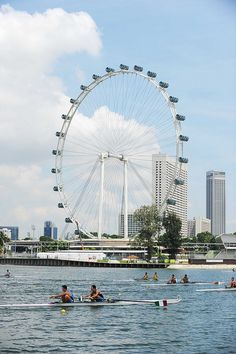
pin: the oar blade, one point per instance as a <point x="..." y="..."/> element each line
<point x="161" y="303"/>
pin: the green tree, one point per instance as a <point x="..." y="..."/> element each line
<point x="172" y="238"/>
<point x="45" y="239"/>
<point x="3" y="240"/>
<point x="150" y="224"/>
<point x="205" y="237"/>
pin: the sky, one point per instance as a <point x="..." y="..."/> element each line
<point x="49" y="48"/>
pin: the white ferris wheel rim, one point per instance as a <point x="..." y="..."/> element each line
<point x="69" y="118"/>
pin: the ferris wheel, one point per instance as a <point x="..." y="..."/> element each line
<point x="106" y="147"/>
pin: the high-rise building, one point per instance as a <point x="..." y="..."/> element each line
<point x="14" y="231"/>
<point x="215" y="201"/>
<point x="202" y="225"/>
<point x="198" y="225"/>
<point x="133" y="226"/>
<point x="163" y="170"/>
<point x="191" y="228"/>
<point x="50" y="230"/>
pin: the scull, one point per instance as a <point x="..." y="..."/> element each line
<point x="189" y="283"/>
<point x="116" y="302"/>
<point x="213" y="290"/>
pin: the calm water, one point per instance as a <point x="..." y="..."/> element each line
<point x="201" y="323"/>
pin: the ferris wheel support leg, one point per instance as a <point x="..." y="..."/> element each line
<point x="125" y="201"/>
<point x="101" y="200"/>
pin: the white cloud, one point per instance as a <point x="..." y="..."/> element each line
<point x="31" y="103"/>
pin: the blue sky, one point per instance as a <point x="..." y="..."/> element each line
<point x="190" y="44"/>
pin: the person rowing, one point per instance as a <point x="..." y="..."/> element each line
<point x="155" y="276"/>
<point x="172" y="280"/>
<point x="8" y="273"/>
<point x="232" y="283"/>
<point x="185" y="279"/>
<point x="94" y="295"/>
<point x="145" y="277"/>
<point x="66" y="295"/>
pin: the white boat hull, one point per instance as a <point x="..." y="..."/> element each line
<point x="214" y="290"/>
<point x="162" y="302"/>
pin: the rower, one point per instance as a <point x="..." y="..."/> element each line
<point x="172" y="280"/>
<point x="184" y="279"/>
<point x="8" y="273"/>
<point x="155" y="276"/>
<point x="145" y="277"/>
<point x="94" y="295"/>
<point x="66" y="296"/>
<point x="232" y="283"/>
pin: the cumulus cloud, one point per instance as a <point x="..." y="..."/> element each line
<point x="31" y="102"/>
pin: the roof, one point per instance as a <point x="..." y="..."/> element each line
<point x="229" y="240"/>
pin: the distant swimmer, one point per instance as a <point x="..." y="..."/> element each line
<point x="155" y="276"/>
<point x="172" y="280"/>
<point x="65" y="296"/>
<point x="8" y="273"/>
<point x="184" y="279"/>
<point x="145" y="277"/>
<point x="94" y="295"/>
<point x="233" y="269"/>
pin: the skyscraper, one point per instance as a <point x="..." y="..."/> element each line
<point x="215" y="201"/>
<point x="163" y="168"/>
<point x="133" y="225"/>
<point x="50" y="230"/>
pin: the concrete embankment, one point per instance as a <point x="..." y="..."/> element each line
<point x="68" y="263"/>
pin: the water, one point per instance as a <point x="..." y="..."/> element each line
<point x="201" y="323"/>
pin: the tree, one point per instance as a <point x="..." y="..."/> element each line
<point x="205" y="237"/>
<point x="150" y="224"/>
<point x="45" y="239"/>
<point x="172" y="238"/>
<point x="3" y="239"/>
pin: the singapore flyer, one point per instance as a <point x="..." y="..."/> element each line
<point x="104" y="155"/>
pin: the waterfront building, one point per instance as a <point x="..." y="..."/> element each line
<point x="133" y="226"/>
<point x="14" y="230"/>
<point x="163" y="169"/>
<point x="215" y="201"/>
<point x="50" y="230"/>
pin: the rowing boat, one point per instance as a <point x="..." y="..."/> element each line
<point x="189" y="283"/>
<point x="221" y="289"/>
<point x="115" y="302"/>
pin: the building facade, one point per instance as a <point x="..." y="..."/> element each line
<point x="133" y="226"/>
<point x="14" y="231"/>
<point x="215" y="201"/>
<point x="191" y="228"/>
<point x="198" y="225"/>
<point x="50" y="230"/>
<point x="202" y="225"/>
<point x="163" y="169"/>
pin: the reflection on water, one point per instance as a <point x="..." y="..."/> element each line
<point x="201" y="323"/>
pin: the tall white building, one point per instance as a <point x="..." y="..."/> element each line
<point x="133" y="226"/>
<point x="202" y="225"/>
<point x="198" y="225"/>
<point x="215" y="201"/>
<point x="163" y="169"/>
